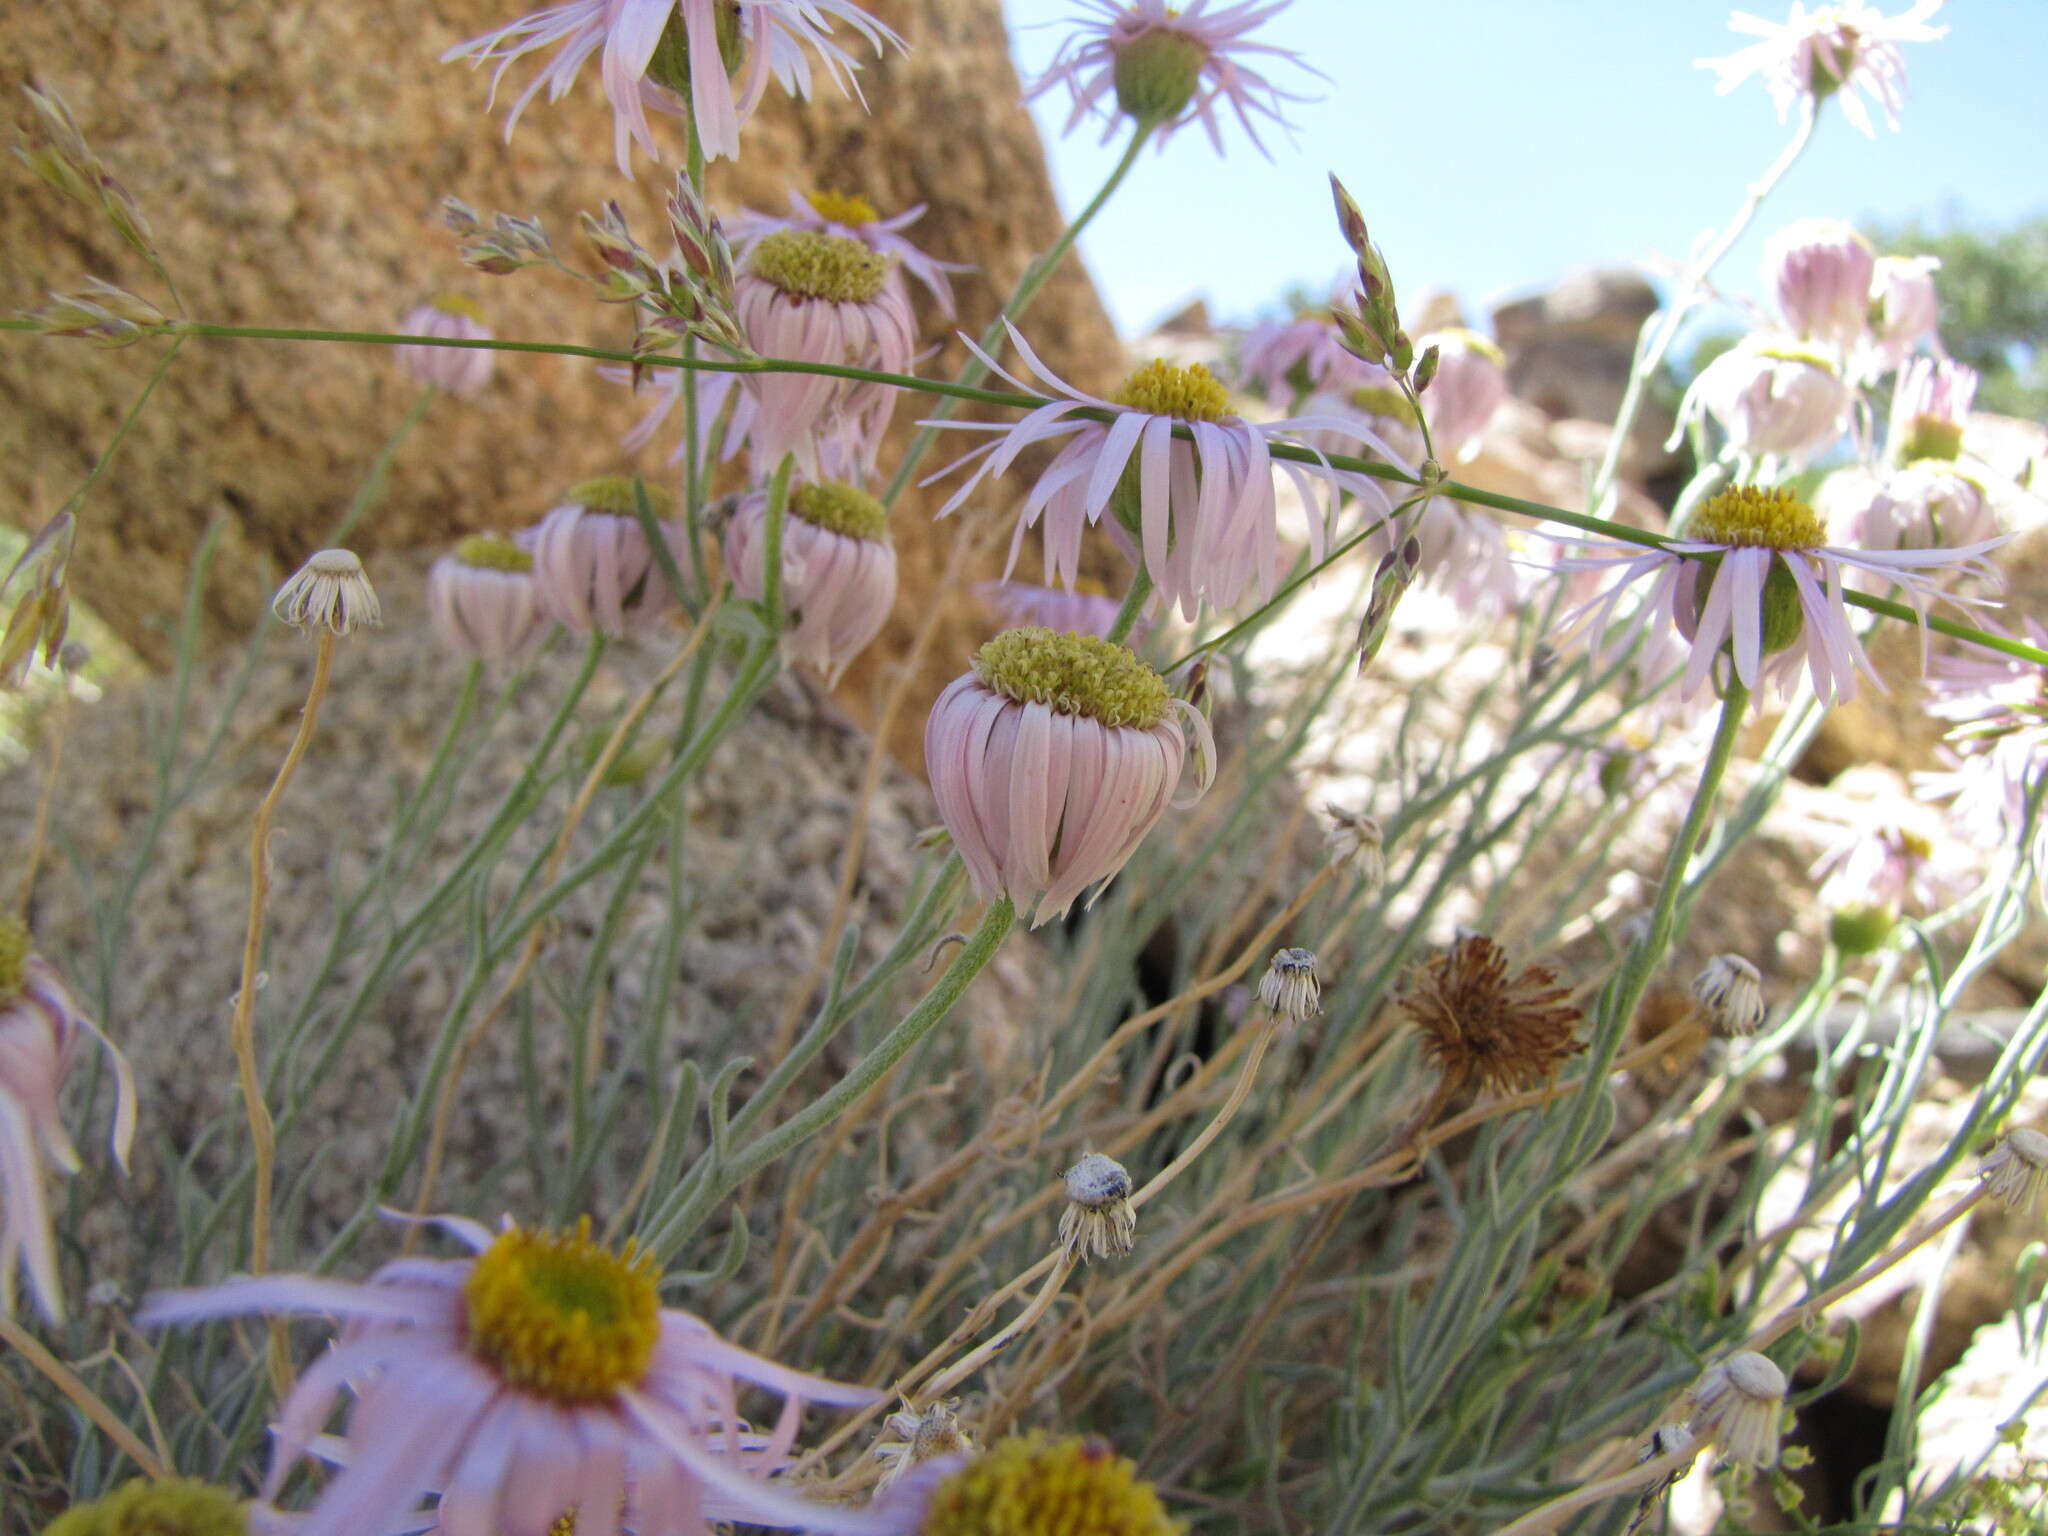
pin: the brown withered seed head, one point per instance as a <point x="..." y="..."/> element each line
<point x="1480" y="1026"/>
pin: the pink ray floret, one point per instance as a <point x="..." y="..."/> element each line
<point x="841" y="587"/>
<point x="883" y="236"/>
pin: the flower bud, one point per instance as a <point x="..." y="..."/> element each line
<point x="1730" y="991"/>
<point x="1358" y="846"/>
<point x="1737" y="1404"/>
<point x="1860" y="930"/>
<point x="331" y="592"/>
<point x="1156" y="74"/>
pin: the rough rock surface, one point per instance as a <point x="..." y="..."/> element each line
<point x="293" y="161"/>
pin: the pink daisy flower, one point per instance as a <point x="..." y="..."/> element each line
<point x="1755" y="586"/>
<point x="656" y="49"/>
<point x="1924" y="505"/>
<point x="1470" y="385"/>
<point x="1930" y="410"/>
<point x="1998" y="743"/>
<point x="819" y="298"/>
<point x="1894" y="867"/>
<point x="1168" y="66"/>
<point x="838" y="568"/>
<point x="483" y="600"/>
<point x="855" y="218"/>
<point x="41" y="1027"/>
<point x="593" y="569"/>
<point x="538" y="1377"/>
<point x="1283" y="360"/>
<point x="1847" y="50"/>
<point x="1088" y="610"/>
<point x="1905" y="308"/>
<point x="1200" y="512"/>
<point x="459" y="370"/>
<point x="1820" y="272"/>
<point x="1052" y="759"/>
<point x="1775" y="398"/>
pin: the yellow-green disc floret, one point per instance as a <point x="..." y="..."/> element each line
<point x="458" y="304"/>
<point x="840" y="508"/>
<point x="1160" y="388"/>
<point x="616" y="494"/>
<point x="14" y="947"/>
<point x="1073" y="674"/>
<point x="1034" y="1485"/>
<point x="1751" y="515"/>
<point x="173" y="1506"/>
<point x="559" y="1315"/>
<point x="492" y="552"/>
<point x="810" y="265"/>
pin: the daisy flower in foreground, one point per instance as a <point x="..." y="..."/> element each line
<point x="664" y="53"/>
<point x="1829" y="51"/>
<point x="1199" y="511"/>
<point x="1168" y="66"/>
<point x="539" y="1376"/>
<point x="1051" y="759"/>
<point x="1754" y="580"/>
<point x="854" y="218"/>
<point x="41" y="1027"/>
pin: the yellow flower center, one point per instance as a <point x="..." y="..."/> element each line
<point x="457" y="304"/>
<point x="1932" y="437"/>
<point x="490" y="552"/>
<point x="176" y="1506"/>
<point x="555" y="1314"/>
<point x="620" y="494"/>
<point x="1088" y="586"/>
<point x="1751" y="515"/>
<point x="1074" y="674"/>
<point x="848" y="208"/>
<point x="1192" y="393"/>
<point x="1788" y="352"/>
<point x="840" y="508"/>
<point x="1030" y="1485"/>
<point x="1471" y="341"/>
<point x="14" y="948"/>
<point x="808" y="265"/>
<point x="1914" y="845"/>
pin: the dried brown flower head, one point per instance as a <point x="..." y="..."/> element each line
<point x="1481" y="1026"/>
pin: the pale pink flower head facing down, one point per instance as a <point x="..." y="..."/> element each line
<point x="1755" y="589"/>
<point x="820" y="298"/>
<point x="538" y="1377"/>
<point x="1087" y="610"/>
<point x="853" y="217"/>
<point x="1167" y="66"/>
<point x="1930" y="410"/>
<point x="483" y="599"/>
<point x="1198" y="511"/>
<point x="1820" y="271"/>
<point x="41" y="1027"/>
<point x="1471" y="382"/>
<point x="838" y="568"/>
<point x="716" y="55"/>
<point x="459" y="370"/>
<point x="593" y="569"/>
<point x="1998" y="743"/>
<point x="1774" y="398"/>
<point x="1905" y="307"/>
<point x="1847" y="51"/>
<point x="1927" y="504"/>
<point x="1052" y="759"/>
<point x="1283" y="360"/>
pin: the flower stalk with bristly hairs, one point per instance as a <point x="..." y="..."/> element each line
<point x="1754" y="587"/>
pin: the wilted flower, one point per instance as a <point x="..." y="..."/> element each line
<point x="1834" y="49"/>
<point x="1098" y="1222"/>
<point x="540" y="1376"/>
<point x="820" y="298"/>
<point x="459" y="370"/>
<point x="1930" y="410"/>
<point x="2015" y="1172"/>
<point x="593" y="569"/>
<point x="1471" y="382"/>
<point x="171" y="1506"/>
<point x="1168" y="66"/>
<point x="1052" y="759"/>
<point x="1755" y="581"/>
<point x="483" y="600"/>
<point x="1357" y="845"/>
<point x="919" y="1437"/>
<point x="853" y="217"/>
<point x="1290" y="990"/>
<point x="1481" y="1026"/>
<point x="1820" y="271"/>
<point x="1730" y="991"/>
<point x="1199" y="512"/>
<point x="1924" y="505"/>
<point x="1087" y="610"/>
<point x="41" y="1026"/>
<point x="1737" y="1405"/>
<point x="1772" y="397"/>
<point x="331" y="592"/>
<point x="1905" y="309"/>
<point x="679" y="56"/>
<point x="838" y="568"/>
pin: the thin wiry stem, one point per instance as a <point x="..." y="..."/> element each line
<point x="81" y="1397"/>
<point x="60" y="719"/>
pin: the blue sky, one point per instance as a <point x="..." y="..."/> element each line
<point x="1495" y="144"/>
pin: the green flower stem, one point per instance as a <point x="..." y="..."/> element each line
<point x="1133" y="604"/>
<point x="771" y="542"/>
<point x="667" y="1229"/>
<point x="1455" y="489"/>
<point x="106" y="457"/>
<point x="371" y="491"/>
<point x="974" y="370"/>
